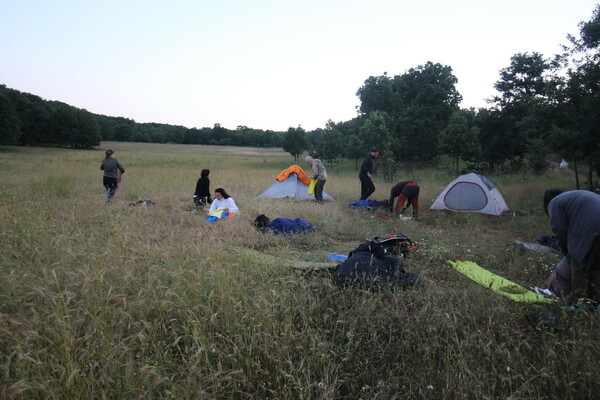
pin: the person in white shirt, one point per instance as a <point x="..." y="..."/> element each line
<point x="223" y="200"/>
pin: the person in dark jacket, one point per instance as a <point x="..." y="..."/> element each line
<point x="366" y="174"/>
<point x="202" y="193"/>
<point x="112" y="173"/>
<point x="405" y="191"/>
<point x="575" y="219"/>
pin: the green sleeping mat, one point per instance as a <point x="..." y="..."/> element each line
<point x="263" y="258"/>
<point x="497" y="283"/>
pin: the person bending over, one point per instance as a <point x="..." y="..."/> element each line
<point x="405" y="191"/>
<point x="575" y="219"/>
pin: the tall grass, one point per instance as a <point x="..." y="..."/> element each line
<point x="124" y="302"/>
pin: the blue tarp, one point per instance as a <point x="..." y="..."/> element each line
<point x="368" y="204"/>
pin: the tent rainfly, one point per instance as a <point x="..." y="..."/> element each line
<point x="471" y="193"/>
<point x="293" y="183"/>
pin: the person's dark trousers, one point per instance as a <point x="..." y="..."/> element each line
<point x="110" y="184"/>
<point x="319" y="190"/>
<point x="585" y="277"/>
<point x="366" y="187"/>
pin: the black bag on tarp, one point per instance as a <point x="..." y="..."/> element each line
<point x="368" y="264"/>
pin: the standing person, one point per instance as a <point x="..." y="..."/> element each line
<point x="202" y="193"/>
<point x="575" y="219"/>
<point x="366" y="174"/>
<point x="319" y="173"/>
<point x="112" y="169"/>
<point x="405" y="191"/>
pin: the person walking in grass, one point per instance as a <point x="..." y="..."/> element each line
<point x="318" y="173"/>
<point x="366" y="174"/>
<point x="575" y="219"/>
<point x="112" y="173"/>
<point x="405" y="191"/>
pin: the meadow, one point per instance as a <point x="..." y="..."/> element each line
<point x="151" y="302"/>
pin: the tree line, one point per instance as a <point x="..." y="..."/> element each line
<point x="543" y="105"/>
<point x="27" y="119"/>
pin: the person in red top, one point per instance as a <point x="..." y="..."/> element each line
<point x="405" y="191"/>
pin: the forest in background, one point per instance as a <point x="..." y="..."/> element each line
<point x="543" y="106"/>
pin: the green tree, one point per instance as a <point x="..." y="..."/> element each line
<point x="330" y="145"/>
<point x="578" y="99"/>
<point x="419" y="104"/>
<point x="376" y="133"/>
<point x="123" y="132"/>
<point x="428" y="96"/>
<point x="10" y="125"/>
<point x="88" y="133"/>
<point x="376" y="94"/>
<point x="458" y="139"/>
<point x="295" y="142"/>
<point x="521" y="109"/>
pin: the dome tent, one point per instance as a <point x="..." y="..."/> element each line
<point x="471" y="193"/>
<point x="293" y="183"/>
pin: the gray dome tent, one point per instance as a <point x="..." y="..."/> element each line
<point x="471" y="193"/>
<point x="291" y="187"/>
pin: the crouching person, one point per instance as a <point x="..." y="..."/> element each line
<point x="575" y="219"/>
<point x="202" y="193"/>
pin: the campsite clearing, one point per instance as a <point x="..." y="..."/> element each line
<point x="113" y="301"/>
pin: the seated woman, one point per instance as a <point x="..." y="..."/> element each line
<point x="223" y="206"/>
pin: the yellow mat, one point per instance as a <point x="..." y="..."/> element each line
<point x="311" y="187"/>
<point x="264" y="258"/>
<point x="497" y="283"/>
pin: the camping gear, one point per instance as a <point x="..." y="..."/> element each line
<point x="497" y="283"/>
<point x="337" y="257"/>
<point x="218" y="214"/>
<point x="287" y="226"/>
<point x="397" y="244"/>
<point x="547" y="322"/>
<point x="535" y="246"/>
<point x="291" y="186"/>
<point x="253" y="256"/>
<point x="369" y="204"/>
<point x="471" y="193"/>
<point x="311" y="187"/>
<point x="368" y="264"/>
<point x="142" y="203"/>
<point x="294" y="169"/>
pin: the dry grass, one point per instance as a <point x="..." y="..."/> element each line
<point x="152" y="302"/>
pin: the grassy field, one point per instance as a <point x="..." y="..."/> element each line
<point x="121" y="302"/>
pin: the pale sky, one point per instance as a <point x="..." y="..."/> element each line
<point x="266" y="64"/>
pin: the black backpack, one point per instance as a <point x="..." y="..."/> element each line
<point x="396" y="244"/>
